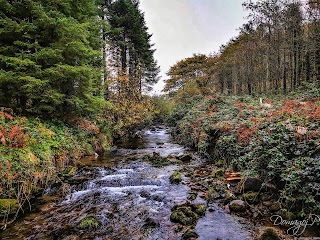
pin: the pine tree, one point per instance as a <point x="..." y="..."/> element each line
<point x="50" y="56"/>
<point x="131" y="42"/>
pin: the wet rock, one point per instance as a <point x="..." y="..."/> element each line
<point x="189" y="234"/>
<point x="145" y="194"/>
<point x="192" y="195"/>
<point x="237" y="206"/>
<point x="183" y="215"/>
<point x="175" y="178"/>
<point x="185" y="157"/>
<point x="156" y="160"/>
<point x="269" y="234"/>
<point x="150" y="223"/>
<point x="252" y="184"/>
<point x="251" y="197"/>
<point x="227" y="209"/>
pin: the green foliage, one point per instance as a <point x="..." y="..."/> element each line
<point x="34" y="152"/>
<point x="163" y="108"/>
<point x="50" y="57"/>
<point x="279" y="145"/>
<point x="89" y="223"/>
<point x="8" y="206"/>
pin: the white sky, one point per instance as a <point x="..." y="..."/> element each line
<point x="183" y="27"/>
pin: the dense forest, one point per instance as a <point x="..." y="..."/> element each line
<point x="72" y="79"/>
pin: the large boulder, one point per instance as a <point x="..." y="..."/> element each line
<point x="252" y="184"/>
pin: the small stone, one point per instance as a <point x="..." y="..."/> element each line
<point x="267" y="203"/>
<point x="227" y="208"/>
<point x="175" y="178"/>
<point x="189" y="234"/>
<point x="185" y="157"/>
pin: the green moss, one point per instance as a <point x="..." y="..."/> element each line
<point x="200" y="209"/>
<point x="189" y="234"/>
<point x="175" y="178"/>
<point x="264" y="197"/>
<point x="72" y="171"/>
<point x="183" y="215"/>
<point x="269" y="234"/>
<point x="156" y="160"/>
<point x="237" y="206"/>
<point x="290" y="216"/>
<point x="8" y="206"/>
<point x="219" y="173"/>
<point x="251" y="197"/>
<point x="275" y="207"/>
<point x="219" y="164"/>
<point x="89" y="223"/>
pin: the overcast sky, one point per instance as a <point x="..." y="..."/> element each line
<point x="183" y="27"/>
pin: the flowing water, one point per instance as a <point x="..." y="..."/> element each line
<point x="129" y="198"/>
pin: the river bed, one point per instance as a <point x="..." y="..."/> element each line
<point x="126" y="198"/>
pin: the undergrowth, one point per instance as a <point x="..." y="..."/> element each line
<point x="280" y="144"/>
<point x="34" y="152"/>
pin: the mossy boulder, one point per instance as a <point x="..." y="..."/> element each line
<point x="175" y="178"/>
<point x="200" y="209"/>
<point x="251" y="197"/>
<point x="89" y="223"/>
<point x="8" y="206"/>
<point x="269" y="234"/>
<point x="156" y="160"/>
<point x="183" y="215"/>
<point x="238" y="206"/>
<point x="189" y="234"/>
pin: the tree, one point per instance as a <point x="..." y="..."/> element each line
<point x="49" y="56"/>
<point x="194" y="73"/>
<point x="130" y="43"/>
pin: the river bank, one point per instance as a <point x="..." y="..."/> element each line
<point x="123" y="196"/>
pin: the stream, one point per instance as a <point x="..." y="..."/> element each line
<point x="128" y="198"/>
